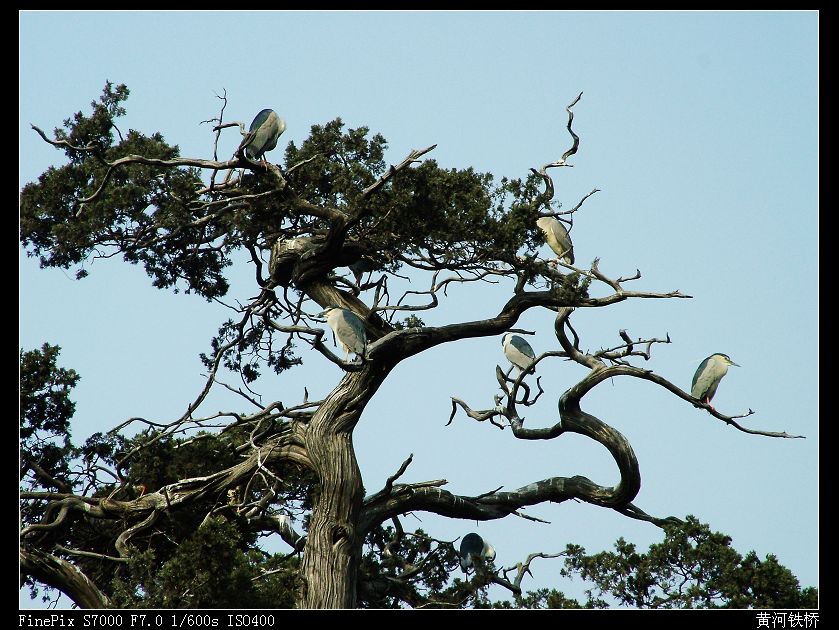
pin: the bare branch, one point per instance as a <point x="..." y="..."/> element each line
<point x="302" y="163"/>
<point x="217" y="129"/>
<point x="527" y="517"/>
<point x="90" y="554"/>
<point x="523" y="568"/>
<point x="576" y="138"/>
<point x="620" y="352"/>
<point x="413" y="156"/>
<point x="389" y="483"/>
<point x="64" y="143"/>
<point x="46" y="478"/>
<point x="480" y="416"/>
<point x="581" y="202"/>
<point x="238" y="124"/>
<point x="545" y="197"/>
<point x="637" y="513"/>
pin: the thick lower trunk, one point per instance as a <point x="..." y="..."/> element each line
<point x="333" y="546"/>
<point x="330" y="564"/>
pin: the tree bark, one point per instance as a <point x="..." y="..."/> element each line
<point x="333" y="546"/>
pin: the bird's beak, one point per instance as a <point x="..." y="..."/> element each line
<point x="735" y="364"/>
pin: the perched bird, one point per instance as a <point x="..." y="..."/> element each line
<point x="265" y="130"/>
<point x="708" y="376"/>
<point x="474" y="545"/>
<point x="557" y="237"/>
<point x="348" y="329"/>
<point x="518" y="351"/>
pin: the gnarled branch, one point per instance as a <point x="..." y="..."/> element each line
<point x="62" y="575"/>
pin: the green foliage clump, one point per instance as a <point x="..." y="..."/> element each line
<point x="45" y="412"/>
<point x="209" y="569"/>
<point x="140" y="204"/>
<point x="692" y="568"/>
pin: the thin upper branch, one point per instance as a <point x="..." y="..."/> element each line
<point x="413" y="156"/>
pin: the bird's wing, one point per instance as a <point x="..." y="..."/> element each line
<point x="276" y="126"/>
<point x="713" y="388"/>
<point x="697" y="374"/>
<point x="525" y="348"/>
<point x="246" y="140"/>
<point x="471" y="543"/>
<point x="561" y="234"/>
<point x="522" y="346"/>
<point x="260" y="119"/>
<point x="350" y="329"/>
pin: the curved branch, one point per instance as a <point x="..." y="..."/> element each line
<point x="572" y="419"/>
<point x="46" y="478"/>
<point x="638" y="514"/>
<point x="575" y="145"/>
<point x="121" y="542"/>
<point x="89" y="147"/>
<point x="545" y="197"/>
<point x="63" y="576"/>
<point x="522" y="568"/>
<point x="410" y="497"/>
<point x="430" y="497"/>
<point x="600" y="373"/>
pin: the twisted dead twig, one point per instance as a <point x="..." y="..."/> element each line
<point x="522" y="569"/>
<point x="389" y="482"/>
<point x="547" y="195"/>
<point x="617" y="353"/>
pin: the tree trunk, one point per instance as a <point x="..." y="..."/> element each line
<point x="332" y="550"/>
<point x="333" y="546"/>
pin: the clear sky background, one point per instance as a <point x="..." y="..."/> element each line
<point x="701" y="130"/>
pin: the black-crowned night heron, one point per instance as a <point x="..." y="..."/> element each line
<point x="474" y="545"/>
<point x="518" y="351"/>
<point x="708" y="376"/>
<point x="348" y="329"/>
<point x="557" y="237"/>
<point x="265" y="130"/>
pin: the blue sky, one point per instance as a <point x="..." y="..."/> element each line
<point x="700" y="129"/>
